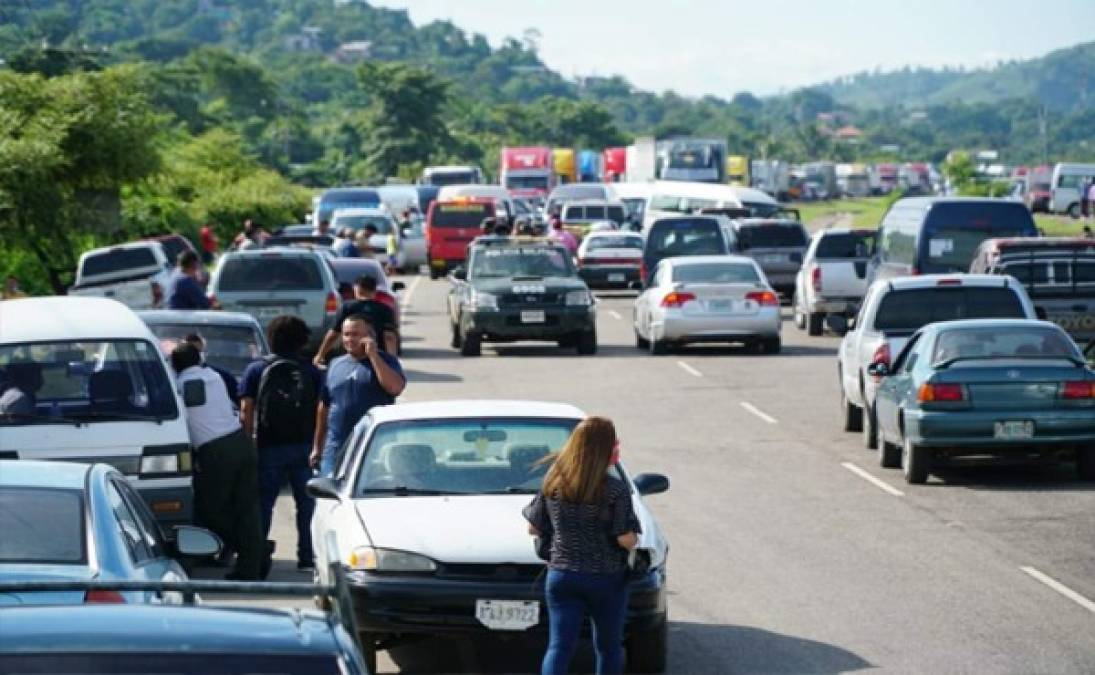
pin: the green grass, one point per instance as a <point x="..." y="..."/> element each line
<point x="865" y="212"/>
<point x="1059" y="226"/>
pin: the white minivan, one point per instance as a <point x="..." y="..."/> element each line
<point x="1065" y="186"/>
<point x="84" y="380"/>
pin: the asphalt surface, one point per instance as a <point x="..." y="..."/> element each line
<point x="792" y="551"/>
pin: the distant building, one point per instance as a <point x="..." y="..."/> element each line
<point x="353" y="52"/>
<point x="849" y="134"/>
<point x="307" y="40"/>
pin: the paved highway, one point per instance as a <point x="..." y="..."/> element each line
<point x="792" y="551"/>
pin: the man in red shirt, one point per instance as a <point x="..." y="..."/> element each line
<point x="208" y="243"/>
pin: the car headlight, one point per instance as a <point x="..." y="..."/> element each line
<point x="372" y="559"/>
<point x="480" y="300"/>
<point x="581" y="298"/>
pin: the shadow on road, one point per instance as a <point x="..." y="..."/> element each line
<point x="708" y="648"/>
<point x="1014" y="478"/>
<point x="429" y="353"/>
<point x="417" y="376"/>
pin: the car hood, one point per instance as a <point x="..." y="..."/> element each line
<point x="524" y="284"/>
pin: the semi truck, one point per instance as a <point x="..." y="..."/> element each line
<point x="737" y="170"/>
<point x="589" y="166"/>
<point x="641" y="160"/>
<point x="701" y="160"/>
<point x="772" y="176"/>
<point x="527" y="172"/>
<point x="614" y="161"/>
<point x="566" y="169"/>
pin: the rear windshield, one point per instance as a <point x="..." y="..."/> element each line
<point x="231" y="348"/>
<point x="997" y="343"/>
<point x="270" y="273"/>
<point x="347" y="271"/>
<point x="41" y="525"/>
<point x="442" y="178"/>
<point x="849" y="245"/>
<point x="382" y="224"/>
<point x="685" y="236"/>
<point x="172" y="247"/>
<point x="526" y="182"/>
<point x="601" y="243"/>
<point x="577" y="192"/>
<point x="460" y="215"/>
<point x="118" y="260"/>
<point x="771" y="235"/>
<point x="909" y="310"/>
<point x="953" y="232"/>
<point x="715" y="273"/>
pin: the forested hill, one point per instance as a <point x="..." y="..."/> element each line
<point x="1063" y="80"/>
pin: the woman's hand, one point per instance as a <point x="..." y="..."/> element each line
<point x="628" y="540"/>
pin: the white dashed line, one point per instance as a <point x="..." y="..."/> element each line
<point x="407" y="297"/>
<point x="1061" y="588"/>
<point x="872" y="480"/>
<point x="689" y="369"/>
<point x="759" y="413"/>
<point x="614" y="314"/>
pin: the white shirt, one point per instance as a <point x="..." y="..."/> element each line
<point x="215" y="418"/>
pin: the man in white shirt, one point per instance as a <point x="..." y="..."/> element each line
<point x="226" y="493"/>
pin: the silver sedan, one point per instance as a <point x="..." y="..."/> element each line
<point x="718" y="298"/>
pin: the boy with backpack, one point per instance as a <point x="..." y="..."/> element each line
<point x="278" y="399"/>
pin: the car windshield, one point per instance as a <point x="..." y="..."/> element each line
<point x="909" y="310"/>
<point x="993" y="342"/>
<point x="526" y="182"/>
<point x="601" y="243"/>
<point x="715" y="273"/>
<point x="845" y="245"/>
<point x="270" y="272"/>
<point x="89" y="380"/>
<point x="460" y="215"/>
<point x="461" y="456"/>
<point x="442" y="178"/>
<point x="383" y="224"/>
<point x="230" y="348"/>
<point x="771" y="235"/>
<point x="42" y="525"/>
<point x="513" y="261"/>
<point x="686" y="236"/>
<point x="118" y="260"/>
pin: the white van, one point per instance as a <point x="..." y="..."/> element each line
<point x="1065" y="187"/>
<point x="675" y="198"/>
<point x="83" y="379"/>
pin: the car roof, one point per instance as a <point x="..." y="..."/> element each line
<point x="142" y="243"/>
<point x="608" y="201"/>
<point x="612" y="233"/>
<point x="932" y="280"/>
<point x="68" y="318"/>
<point x="685" y="260"/>
<point x="473" y="408"/>
<point x="167" y="629"/>
<point x="296" y="251"/>
<point x="197" y="317"/>
<point x="360" y="211"/>
<point x="41" y="474"/>
<point x="1039" y="242"/>
<point x="991" y="323"/>
<point x="932" y="200"/>
<point x="753" y="222"/>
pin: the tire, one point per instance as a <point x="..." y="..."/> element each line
<point x="457" y="340"/>
<point x="853" y="414"/>
<point x="472" y="344"/>
<point x="434" y="274"/>
<point x="817" y="323"/>
<point x="769" y="345"/>
<point x="367" y="643"/>
<point x="1074" y="211"/>
<point x="1085" y="462"/>
<point x="914" y="463"/>
<point x="647" y="650"/>
<point x="568" y="342"/>
<point x="889" y="455"/>
<point x="657" y="347"/>
<point x="587" y="343"/>
<point x="869" y="427"/>
<point x="641" y="342"/>
<point x="800" y="318"/>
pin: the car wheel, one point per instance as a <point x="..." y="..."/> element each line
<point x="647" y="650"/>
<point x="367" y="642"/>
<point x="472" y="344"/>
<point x="657" y="347"/>
<point x="771" y="345"/>
<point x="817" y="323"/>
<point x="869" y="427"/>
<point x="800" y="318"/>
<point x="853" y="414"/>
<point x="889" y="455"/>
<point x="914" y="463"/>
<point x="641" y="342"/>
<point x="567" y="342"/>
<point x="1085" y="463"/>
<point x="1074" y="210"/>
<point x="457" y="340"/>
<point x="587" y="343"/>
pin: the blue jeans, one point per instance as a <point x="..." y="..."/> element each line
<point x="570" y="597"/>
<point x="276" y="463"/>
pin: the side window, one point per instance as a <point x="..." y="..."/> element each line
<point x="905" y="360"/>
<point x="346" y="458"/>
<point x="150" y="529"/>
<point x="130" y="531"/>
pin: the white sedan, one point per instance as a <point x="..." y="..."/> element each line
<point x="426" y="507"/>
<point x="707" y="298"/>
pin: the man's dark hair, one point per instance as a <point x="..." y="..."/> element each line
<point x="366" y="282"/>
<point x="287" y="334"/>
<point x="186" y="260"/>
<point x="363" y="319"/>
<point x="185" y="355"/>
<point x="194" y="339"/>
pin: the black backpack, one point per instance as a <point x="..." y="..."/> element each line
<point x="285" y="408"/>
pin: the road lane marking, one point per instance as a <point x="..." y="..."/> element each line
<point x="872" y="480"/>
<point x="759" y="413"/>
<point x="1061" y="588"/>
<point x="614" y="314"/>
<point x="407" y="297"/>
<point x="689" y="369"/>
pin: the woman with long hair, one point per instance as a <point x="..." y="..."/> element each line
<point x="592" y="526"/>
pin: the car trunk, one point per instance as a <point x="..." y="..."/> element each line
<point x="1014" y="384"/>
<point x="719" y="299"/>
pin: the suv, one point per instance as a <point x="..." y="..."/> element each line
<point x="832" y="279"/>
<point x="777" y="245"/>
<point x="135" y="274"/>
<point x="520" y="289"/>
<point x="269" y="282"/>
<point x="893" y="310"/>
<point x="677" y="236"/>
<point x="577" y="216"/>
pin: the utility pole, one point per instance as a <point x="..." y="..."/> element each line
<point x="1042" y="132"/>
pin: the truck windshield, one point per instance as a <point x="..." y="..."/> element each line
<point x="771" y="235"/>
<point x="910" y="310"/>
<point x="953" y="232"/>
<point x="442" y="178"/>
<point x="846" y="245"/>
<point x="118" y="260"/>
<point x="520" y="262"/>
<point x="527" y="182"/>
<point x="83" y="380"/>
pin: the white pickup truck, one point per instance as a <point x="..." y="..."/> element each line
<point x="135" y="274"/>
<point x="833" y="277"/>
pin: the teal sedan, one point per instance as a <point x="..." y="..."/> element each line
<point x="986" y="388"/>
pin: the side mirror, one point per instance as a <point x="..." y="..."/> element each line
<point x="878" y="369"/>
<point x="398" y="286"/>
<point x="323" y="487"/>
<point x="651" y="483"/>
<point x="460" y="274"/>
<point x="196" y="542"/>
<point x="838" y="323"/>
<point x="194" y="393"/>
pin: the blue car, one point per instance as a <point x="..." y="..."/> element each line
<point x="986" y="388"/>
<point x="75" y="522"/>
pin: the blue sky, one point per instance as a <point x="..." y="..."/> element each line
<point x="719" y="47"/>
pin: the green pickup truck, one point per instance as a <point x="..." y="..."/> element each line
<point x="520" y="289"/>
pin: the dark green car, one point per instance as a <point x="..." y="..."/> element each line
<point x="519" y="289"/>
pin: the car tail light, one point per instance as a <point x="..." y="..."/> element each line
<point x="1078" y="390"/>
<point x="104" y="597"/>
<point x="949" y="282"/>
<point x="677" y="299"/>
<point x="763" y="298"/>
<point x="642" y="271"/>
<point x="815" y="278"/>
<point x="941" y="392"/>
<point x="332" y="303"/>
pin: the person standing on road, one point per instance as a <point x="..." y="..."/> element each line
<point x="183" y="290"/>
<point x="380" y="316"/>
<point x="563" y="236"/>
<point x="1091" y="199"/>
<point x="592" y="526"/>
<point x="208" y="240"/>
<point x="364" y="377"/>
<point x="323" y="229"/>
<point x="278" y="399"/>
<point x="226" y="493"/>
<point x="343" y="245"/>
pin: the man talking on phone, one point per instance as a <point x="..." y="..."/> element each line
<point x="362" y="378"/>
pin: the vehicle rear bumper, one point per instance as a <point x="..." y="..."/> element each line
<point x="716" y="328"/>
<point x="506" y="324"/>
<point x="971" y="429"/>
<point x="609" y="276"/>
<point x="842" y="306"/>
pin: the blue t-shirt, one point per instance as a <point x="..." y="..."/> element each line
<point x="350" y="391"/>
<point x="183" y="292"/>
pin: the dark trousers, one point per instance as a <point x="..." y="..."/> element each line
<point x="226" y="498"/>
<point x="570" y="597"/>
<point x="276" y="464"/>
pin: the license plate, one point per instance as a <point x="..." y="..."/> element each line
<point x="1013" y="430"/>
<point x="507" y="614"/>
<point x="271" y="312"/>
<point x="533" y="316"/>
<point x="616" y="277"/>
<point x="773" y="258"/>
<point x="720" y="305"/>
